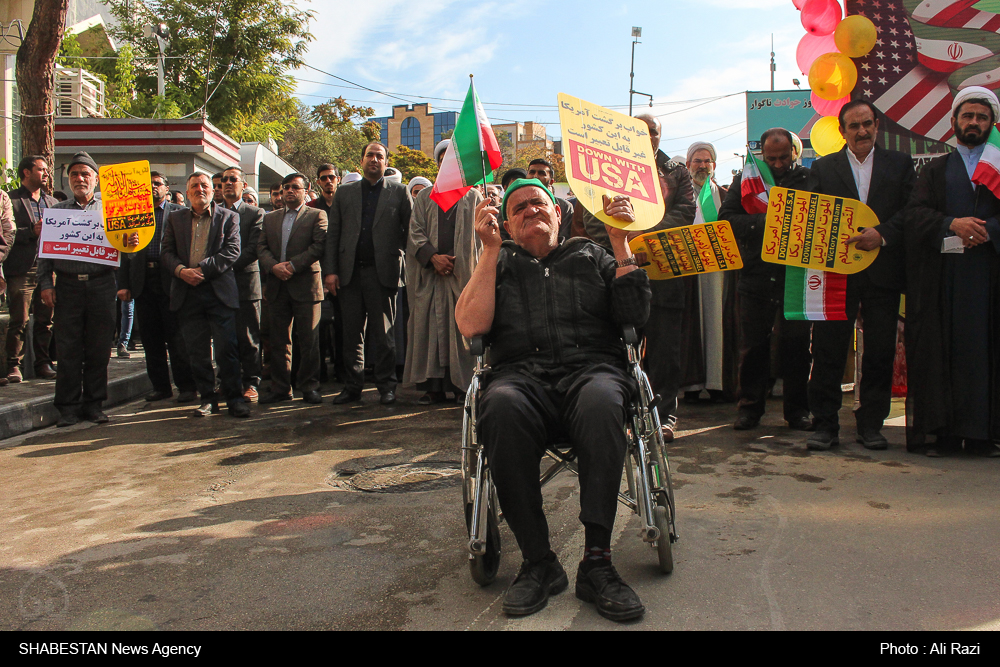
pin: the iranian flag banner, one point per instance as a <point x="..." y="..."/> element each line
<point x="471" y="157"/>
<point x="707" y="212"/>
<point x="988" y="170"/>
<point x="755" y="186"/>
<point x="814" y="295"/>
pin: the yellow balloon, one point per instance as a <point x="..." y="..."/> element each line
<point x="832" y="76"/>
<point x="855" y="36"/>
<point x="826" y="137"/>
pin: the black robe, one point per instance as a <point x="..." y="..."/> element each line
<point x="952" y="310"/>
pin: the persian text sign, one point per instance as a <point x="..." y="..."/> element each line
<point x="810" y="231"/>
<point x="127" y="194"/>
<point x="609" y="153"/>
<point x="72" y="234"/>
<point x="688" y="250"/>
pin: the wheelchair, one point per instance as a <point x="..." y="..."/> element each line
<point x="649" y="491"/>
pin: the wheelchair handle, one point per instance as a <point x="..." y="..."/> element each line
<point x="629" y="335"/>
<point x="477" y="345"/>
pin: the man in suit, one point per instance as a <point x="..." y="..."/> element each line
<point x="290" y="250"/>
<point x="200" y="246"/>
<point x="883" y="180"/>
<point x="247" y="279"/>
<point x="369" y="222"/>
<point x="144" y="277"/>
<point x="27" y="203"/>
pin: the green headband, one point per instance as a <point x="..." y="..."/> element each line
<point x="520" y="183"/>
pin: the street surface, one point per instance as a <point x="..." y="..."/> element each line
<point x="349" y="517"/>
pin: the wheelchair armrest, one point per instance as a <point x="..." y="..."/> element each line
<point x="477" y="345"/>
<point x="629" y="335"/>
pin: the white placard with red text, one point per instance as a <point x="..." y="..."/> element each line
<point x="78" y="235"/>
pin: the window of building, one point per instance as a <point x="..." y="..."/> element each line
<point x="409" y="133"/>
<point x="444" y="122"/>
<point x="384" y="131"/>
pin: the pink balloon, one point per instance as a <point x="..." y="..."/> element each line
<point x="820" y="17"/>
<point x="828" y="107"/>
<point x="812" y="47"/>
<point x="799" y="4"/>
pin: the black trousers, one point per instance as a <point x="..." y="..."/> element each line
<point x="305" y="314"/>
<point x="248" y="337"/>
<point x="20" y="299"/>
<point x="206" y="320"/>
<point x="758" y="318"/>
<point x="84" y="324"/>
<point x="663" y="354"/>
<point x="366" y="300"/>
<point x="831" y="342"/>
<point x="161" y="333"/>
<point x="519" y="416"/>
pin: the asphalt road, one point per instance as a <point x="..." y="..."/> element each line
<point x="349" y="517"/>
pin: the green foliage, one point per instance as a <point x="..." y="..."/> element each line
<point x="327" y="133"/>
<point x="413" y="163"/>
<point x="9" y="178"/>
<point x="237" y="52"/>
<point x="70" y="52"/>
<point x="120" y="93"/>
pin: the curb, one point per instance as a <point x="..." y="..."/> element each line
<point x="39" y="412"/>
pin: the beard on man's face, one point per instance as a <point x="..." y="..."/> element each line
<point x="971" y="137"/>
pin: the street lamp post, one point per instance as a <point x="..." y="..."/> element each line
<point x="636" y="34"/>
<point x="161" y="32"/>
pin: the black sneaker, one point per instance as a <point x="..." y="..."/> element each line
<point x="532" y="587"/>
<point x="871" y="438"/>
<point x="614" y="598"/>
<point x="821" y="441"/>
<point x="745" y="422"/>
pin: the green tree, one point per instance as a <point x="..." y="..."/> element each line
<point x="413" y="163"/>
<point x="327" y="132"/>
<point x="238" y="53"/>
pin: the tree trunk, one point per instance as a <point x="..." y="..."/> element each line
<point x="36" y="60"/>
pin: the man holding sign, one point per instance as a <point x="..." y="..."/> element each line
<point x="83" y="299"/>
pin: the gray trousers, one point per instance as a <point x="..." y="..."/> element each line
<point x="363" y="298"/>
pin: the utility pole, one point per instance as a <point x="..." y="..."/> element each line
<point x="636" y="34"/>
<point x="773" y="67"/>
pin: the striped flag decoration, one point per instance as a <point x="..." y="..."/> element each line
<point x="955" y="14"/>
<point x="814" y="295"/>
<point x="755" y="184"/>
<point x="707" y="211"/>
<point x="988" y="170"/>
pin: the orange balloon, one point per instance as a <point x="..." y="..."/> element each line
<point x="855" y="36"/>
<point x="825" y="136"/>
<point x="833" y="76"/>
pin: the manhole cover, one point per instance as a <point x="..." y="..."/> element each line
<point x="405" y="478"/>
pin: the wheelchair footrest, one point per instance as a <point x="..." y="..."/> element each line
<point x="649" y="534"/>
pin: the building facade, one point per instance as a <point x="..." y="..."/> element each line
<point x="416" y="127"/>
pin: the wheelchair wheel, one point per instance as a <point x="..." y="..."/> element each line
<point x="661" y="519"/>
<point x="484" y="568"/>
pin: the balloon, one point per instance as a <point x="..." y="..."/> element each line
<point x="812" y="47"/>
<point x="855" y="36"/>
<point x="799" y="4"/>
<point x="826" y="137"/>
<point x="827" y="107"/>
<point x="833" y="76"/>
<point x="820" y="17"/>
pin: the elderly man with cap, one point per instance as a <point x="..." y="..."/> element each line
<point x="441" y="254"/>
<point x="83" y="297"/>
<point x="710" y="305"/>
<point x="883" y="180"/>
<point x="952" y="242"/>
<point x="558" y="372"/>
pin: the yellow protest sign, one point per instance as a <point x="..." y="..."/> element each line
<point x="810" y="231"/>
<point x="609" y="153"/>
<point x="127" y="196"/>
<point x="688" y="250"/>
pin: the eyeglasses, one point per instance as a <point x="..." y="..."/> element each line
<point x="230" y="179"/>
<point x="327" y="177"/>
<point x="290" y="186"/>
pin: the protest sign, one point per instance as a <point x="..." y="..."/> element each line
<point x="609" y="153"/>
<point x="78" y="235"/>
<point x="688" y="250"/>
<point x="810" y="231"/>
<point x="127" y="195"/>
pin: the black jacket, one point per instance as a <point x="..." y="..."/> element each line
<point x="565" y="310"/>
<point x="758" y="278"/>
<point x="25" y="248"/>
<point x="892" y="182"/>
<point x="132" y="273"/>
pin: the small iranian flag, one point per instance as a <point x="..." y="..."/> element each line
<point x="814" y="295"/>
<point x="755" y="186"/>
<point x="988" y="170"/>
<point x="707" y="211"/>
<point x="471" y="157"/>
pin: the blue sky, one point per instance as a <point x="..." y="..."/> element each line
<point x="524" y="53"/>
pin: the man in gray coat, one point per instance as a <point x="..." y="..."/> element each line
<point x="247" y="273"/>
<point x="368" y="226"/>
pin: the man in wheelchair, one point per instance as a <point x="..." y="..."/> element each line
<point x="553" y="312"/>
